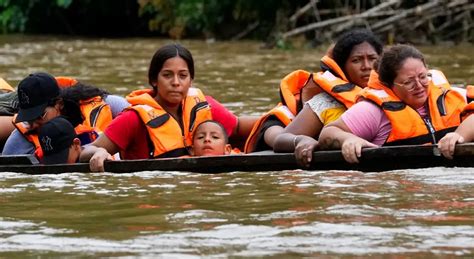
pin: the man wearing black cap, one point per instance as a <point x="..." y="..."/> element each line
<point x="38" y="102"/>
<point x="35" y="93"/>
<point x="59" y="142"/>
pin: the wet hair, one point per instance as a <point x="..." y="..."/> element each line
<point x="71" y="98"/>
<point x="392" y="60"/>
<point x="224" y="132"/>
<point x="346" y="42"/>
<point x="164" y="53"/>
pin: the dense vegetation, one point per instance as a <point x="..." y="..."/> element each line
<point x="268" y="20"/>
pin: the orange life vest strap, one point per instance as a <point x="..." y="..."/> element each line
<point x="327" y="63"/>
<point x="97" y="113"/>
<point x="290" y="89"/>
<point x="281" y="112"/>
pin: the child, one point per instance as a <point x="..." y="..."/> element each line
<point x="210" y="139"/>
<point x="59" y="142"/>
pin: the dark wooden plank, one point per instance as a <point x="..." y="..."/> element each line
<point x="247" y="162"/>
<point x="372" y="160"/>
<point x="18" y="160"/>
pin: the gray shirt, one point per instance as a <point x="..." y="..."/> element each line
<point x="17" y="144"/>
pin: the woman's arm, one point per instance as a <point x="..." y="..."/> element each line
<point x="338" y="135"/>
<point x="121" y="133"/>
<point x="97" y="152"/>
<point x="306" y="123"/>
<point x="464" y="133"/>
<point x="244" y="125"/>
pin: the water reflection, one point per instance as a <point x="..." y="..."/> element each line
<point x="415" y="212"/>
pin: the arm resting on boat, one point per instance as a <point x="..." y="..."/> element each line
<point x="303" y="147"/>
<point x="464" y="133"/>
<point x="338" y="135"/>
<point x="306" y="125"/>
<point x="97" y="152"/>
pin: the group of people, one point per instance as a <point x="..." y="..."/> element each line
<point x="364" y="96"/>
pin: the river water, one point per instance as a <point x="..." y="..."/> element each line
<point x="291" y="214"/>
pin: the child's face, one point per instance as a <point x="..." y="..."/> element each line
<point x="209" y="140"/>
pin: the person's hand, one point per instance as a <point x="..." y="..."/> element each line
<point x="96" y="163"/>
<point x="304" y="150"/>
<point x="448" y="143"/>
<point x="352" y="148"/>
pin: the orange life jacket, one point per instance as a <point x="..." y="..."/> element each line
<point x="167" y="137"/>
<point x="97" y="113"/>
<point x="408" y="127"/>
<point x="469" y="109"/>
<point x="334" y="82"/>
<point x="84" y="133"/>
<point x="5" y="87"/>
<point x="290" y="95"/>
<point x="290" y="89"/>
<point x="65" y="82"/>
<point x="281" y="112"/>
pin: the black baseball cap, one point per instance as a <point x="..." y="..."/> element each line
<point x="56" y="137"/>
<point x="34" y="93"/>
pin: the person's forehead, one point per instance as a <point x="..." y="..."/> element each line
<point x="209" y="127"/>
<point x="411" y="67"/>
<point x="175" y="63"/>
<point x="362" y="49"/>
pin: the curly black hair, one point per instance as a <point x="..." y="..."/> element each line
<point x="346" y="42"/>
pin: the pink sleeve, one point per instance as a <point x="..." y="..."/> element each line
<point x="368" y="121"/>
<point x="222" y="115"/>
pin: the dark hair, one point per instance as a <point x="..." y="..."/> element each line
<point x="392" y="59"/>
<point x="346" y="42"/>
<point x="164" y="53"/>
<point x="72" y="96"/>
<point x="226" y="137"/>
<point x="81" y="91"/>
<point x="71" y="111"/>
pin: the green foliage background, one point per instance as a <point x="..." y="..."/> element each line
<point x="175" y="18"/>
<point x="209" y="19"/>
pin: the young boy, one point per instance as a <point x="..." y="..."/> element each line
<point x="210" y="139"/>
<point x="59" y="142"/>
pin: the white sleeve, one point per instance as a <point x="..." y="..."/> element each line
<point x="321" y="102"/>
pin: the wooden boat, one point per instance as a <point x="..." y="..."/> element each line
<point x="372" y="160"/>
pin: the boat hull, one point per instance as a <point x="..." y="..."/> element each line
<point x="372" y="160"/>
